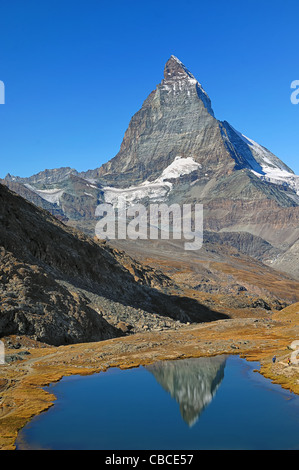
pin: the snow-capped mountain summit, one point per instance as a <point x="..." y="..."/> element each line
<point x="177" y="121"/>
<point x="175" y="150"/>
<point x="178" y="78"/>
<point x="174" y="129"/>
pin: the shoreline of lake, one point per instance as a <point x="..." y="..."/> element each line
<point x="256" y="340"/>
<point x="207" y="403"/>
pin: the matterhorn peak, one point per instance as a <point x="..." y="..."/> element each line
<point x="177" y="78"/>
<point x="175" y="69"/>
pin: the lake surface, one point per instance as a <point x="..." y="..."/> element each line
<point x="200" y="403"/>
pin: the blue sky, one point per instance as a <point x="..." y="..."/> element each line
<point x="76" y="71"/>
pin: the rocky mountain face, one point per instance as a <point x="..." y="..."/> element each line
<point x="60" y="286"/>
<point x="175" y="121"/>
<point x="176" y="151"/>
<point x="45" y="177"/>
<point x="289" y="260"/>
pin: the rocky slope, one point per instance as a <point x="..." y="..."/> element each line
<point x="60" y="286"/>
<point x="35" y="305"/>
<point x="221" y="275"/>
<point x="288" y="261"/>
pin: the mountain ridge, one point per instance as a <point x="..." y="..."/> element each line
<point x="175" y="151"/>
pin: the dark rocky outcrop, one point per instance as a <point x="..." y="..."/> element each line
<point x="60" y="286"/>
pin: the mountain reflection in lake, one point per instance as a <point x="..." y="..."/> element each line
<point x="202" y="403"/>
<point x="191" y="382"/>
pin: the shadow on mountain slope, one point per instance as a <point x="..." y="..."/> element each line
<point x="43" y="247"/>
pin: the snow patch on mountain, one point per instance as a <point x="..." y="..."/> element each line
<point x="179" y="167"/>
<point x="50" y="195"/>
<point x="279" y="176"/>
<point x="264" y="156"/>
<point x="266" y="166"/>
<point x="156" y="190"/>
<point x="273" y="170"/>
